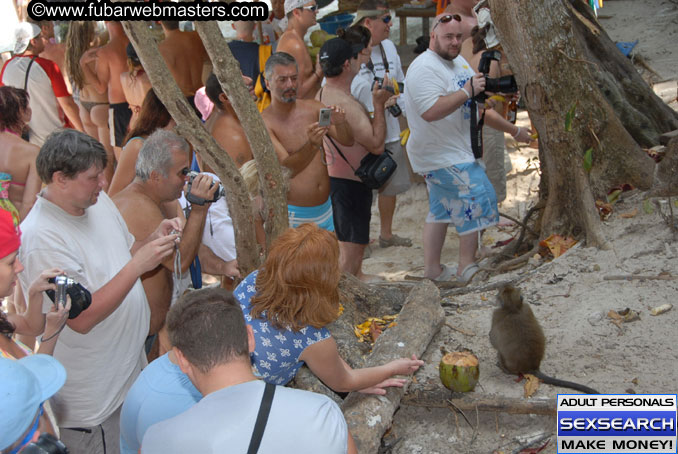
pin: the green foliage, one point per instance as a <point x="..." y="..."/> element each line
<point x="588" y="159"/>
<point x="569" y="116"/>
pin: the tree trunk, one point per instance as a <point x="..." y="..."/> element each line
<point x="666" y="178"/>
<point x="644" y="115"/>
<point x="190" y="127"/>
<point x="555" y="76"/>
<point x="227" y="70"/>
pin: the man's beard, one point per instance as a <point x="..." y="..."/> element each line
<point x="289" y="99"/>
<point x="444" y="53"/>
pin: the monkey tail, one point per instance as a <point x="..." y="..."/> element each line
<point x="563" y="383"/>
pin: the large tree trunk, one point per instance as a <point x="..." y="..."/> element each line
<point x="554" y="75"/>
<point x="227" y="69"/>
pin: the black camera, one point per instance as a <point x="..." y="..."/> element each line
<point x="46" y="444"/>
<point x="395" y="109"/>
<point x="199" y="200"/>
<point x="81" y="298"/>
<point x="504" y="84"/>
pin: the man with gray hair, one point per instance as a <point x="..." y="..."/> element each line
<point x="308" y="199"/>
<point x="161" y="173"/>
<point x="76" y="227"/>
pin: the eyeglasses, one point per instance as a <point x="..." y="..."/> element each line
<point x="447" y="18"/>
<point x="313" y="8"/>
<point x="386" y="19"/>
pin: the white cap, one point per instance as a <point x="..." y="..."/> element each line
<point x="291" y="5"/>
<point x="23" y="34"/>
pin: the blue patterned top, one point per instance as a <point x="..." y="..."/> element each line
<point x="276" y="354"/>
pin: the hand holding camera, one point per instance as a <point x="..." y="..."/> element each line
<point x="381" y="93"/>
<point x="65" y="292"/>
<point x="201" y="189"/>
<point x="393" y="87"/>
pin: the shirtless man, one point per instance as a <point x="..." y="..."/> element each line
<point x="465" y="9"/>
<point x="301" y="15"/>
<point x="185" y="56"/>
<point x="286" y="118"/>
<point x="351" y="199"/>
<point x="161" y="170"/>
<point x="111" y="61"/>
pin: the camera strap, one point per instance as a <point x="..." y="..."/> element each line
<point x="476" y="127"/>
<point x="383" y="57"/>
<point x="262" y="419"/>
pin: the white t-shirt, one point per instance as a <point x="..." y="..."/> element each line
<point x="445" y="142"/>
<point x="300" y="422"/>
<point x="45" y="85"/>
<point x="102" y="364"/>
<point x="361" y="86"/>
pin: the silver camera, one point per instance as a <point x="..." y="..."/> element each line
<point x="200" y="200"/>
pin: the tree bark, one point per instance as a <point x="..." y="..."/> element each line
<point x="190" y="127"/>
<point x="226" y="67"/>
<point x="666" y="178"/>
<point x="554" y="75"/>
<point x="644" y="115"/>
<point x="369" y="416"/>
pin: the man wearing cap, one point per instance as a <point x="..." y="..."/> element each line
<point x="351" y="199"/>
<point x="440" y="148"/>
<point x="301" y="16"/>
<point x="384" y="62"/>
<point x="49" y="97"/>
<point x="294" y="123"/>
<point x="26" y="385"/>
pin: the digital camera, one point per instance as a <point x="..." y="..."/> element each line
<point x="199" y="200"/>
<point x="395" y="109"/>
<point x="504" y="84"/>
<point x="46" y="444"/>
<point x="81" y="298"/>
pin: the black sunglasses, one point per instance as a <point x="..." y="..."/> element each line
<point x="447" y="18"/>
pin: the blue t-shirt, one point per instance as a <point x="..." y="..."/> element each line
<point x="161" y="391"/>
<point x="276" y="353"/>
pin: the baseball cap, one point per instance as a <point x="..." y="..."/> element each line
<point x="23" y="34"/>
<point x="291" y="5"/>
<point x="336" y="51"/>
<point x="363" y="13"/>
<point x="26" y="383"/>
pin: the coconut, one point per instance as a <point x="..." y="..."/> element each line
<point x="459" y="371"/>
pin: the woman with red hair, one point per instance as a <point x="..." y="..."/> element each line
<point x="290" y="301"/>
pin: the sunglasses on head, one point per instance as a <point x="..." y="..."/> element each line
<point x="447" y="18"/>
<point x="313" y="8"/>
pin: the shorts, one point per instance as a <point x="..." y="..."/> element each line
<point x="320" y="215"/>
<point x="352" y="210"/>
<point x="400" y="180"/>
<point x="463" y="196"/>
<point x="119" y="115"/>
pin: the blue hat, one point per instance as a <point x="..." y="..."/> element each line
<point x="26" y="384"/>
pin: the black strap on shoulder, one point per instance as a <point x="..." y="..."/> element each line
<point x="383" y="57"/>
<point x="28" y="70"/>
<point x="476" y="128"/>
<point x="262" y="419"/>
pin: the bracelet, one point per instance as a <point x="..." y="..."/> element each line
<point x="517" y="132"/>
<point x="468" y="95"/>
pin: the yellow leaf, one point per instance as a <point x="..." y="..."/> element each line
<point x="558" y="245"/>
<point x="630" y="214"/>
<point x="531" y="385"/>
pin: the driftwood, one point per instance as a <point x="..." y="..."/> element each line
<point x="191" y="128"/>
<point x="639" y="277"/>
<point x="369" y="416"/>
<point x="439" y="397"/>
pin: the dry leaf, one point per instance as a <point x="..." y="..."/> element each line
<point x="604" y="209"/>
<point x="558" y="245"/>
<point x="630" y="214"/>
<point x="375" y="331"/>
<point x="614" y="315"/>
<point x="635" y="381"/>
<point x="531" y="385"/>
<point x="535" y="450"/>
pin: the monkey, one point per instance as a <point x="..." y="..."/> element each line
<point x="520" y="341"/>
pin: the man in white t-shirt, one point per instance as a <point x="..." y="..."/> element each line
<point x="376" y="17"/>
<point x="76" y="227"/>
<point x="212" y="345"/>
<point x="439" y="87"/>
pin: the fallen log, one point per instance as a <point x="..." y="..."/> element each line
<point x="369" y="416"/>
<point x="439" y="397"/>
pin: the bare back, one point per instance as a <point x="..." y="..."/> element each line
<point x="311" y="186"/>
<point x="135" y="87"/>
<point x="230" y="135"/>
<point x="184" y="55"/>
<point x="291" y="43"/>
<point x="111" y="62"/>
<point x="17" y="158"/>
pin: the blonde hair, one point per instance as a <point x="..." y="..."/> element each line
<point x="78" y="40"/>
<point x="298" y="283"/>
<point x="250" y="173"/>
